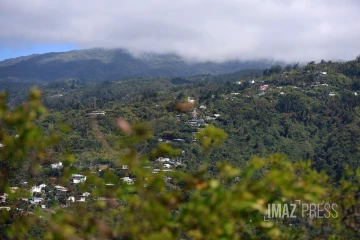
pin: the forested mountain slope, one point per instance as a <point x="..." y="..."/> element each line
<point x="109" y="138"/>
<point x="307" y="113"/>
<point x="109" y="64"/>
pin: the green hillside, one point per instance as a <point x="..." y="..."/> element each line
<point x="108" y="64"/>
<point x="201" y="157"/>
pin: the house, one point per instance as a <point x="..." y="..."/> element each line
<point x="264" y="87"/>
<point x="73" y="199"/>
<point x="331" y="94"/>
<point x="202" y="107"/>
<point x="193" y="122"/>
<point x="178" y="140"/>
<point x="191" y="100"/>
<point x="37" y="189"/>
<point x="238" y="82"/>
<point x="128" y="180"/>
<point x="13" y="189"/>
<point x="154" y="171"/>
<point x="235" y="93"/>
<point x="78" y="178"/>
<point x="82" y="199"/>
<point x="60" y="189"/>
<point x="323" y="73"/>
<point x="282" y="93"/>
<point x="162" y="159"/>
<point x="85" y="194"/>
<point x="210" y="118"/>
<point x="125" y="167"/>
<point x="35" y="200"/>
<point x="58" y="165"/>
<point x="3" y="197"/>
<point x="97" y="113"/>
<point x="1" y="145"/>
<point x="355" y="93"/>
<point x="166" y="165"/>
<point x="5" y="208"/>
<point x="252" y="81"/>
<point x="216" y="115"/>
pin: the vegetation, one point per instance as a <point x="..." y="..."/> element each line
<point x="109" y="64"/>
<point x="226" y="172"/>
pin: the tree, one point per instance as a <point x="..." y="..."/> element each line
<point x="229" y="203"/>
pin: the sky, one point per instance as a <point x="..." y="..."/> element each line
<point x="217" y="30"/>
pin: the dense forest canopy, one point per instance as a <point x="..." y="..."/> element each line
<point x="206" y="127"/>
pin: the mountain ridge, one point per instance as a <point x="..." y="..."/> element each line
<point x="98" y="64"/>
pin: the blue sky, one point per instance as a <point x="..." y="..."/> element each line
<point x="28" y="49"/>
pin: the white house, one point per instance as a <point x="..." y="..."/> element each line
<point x="97" y="113"/>
<point x="124" y="167"/>
<point x="56" y="165"/>
<point x="162" y="159"/>
<point x="331" y="94"/>
<point x="3" y="197"/>
<point x="191" y="100"/>
<point x="60" y="189"/>
<point x="82" y="199"/>
<point x="37" y="189"/>
<point x="128" y="180"/>
<point x="78" y="178"/>
<point x="166" y="165"/>
<point x="86" y="194"/>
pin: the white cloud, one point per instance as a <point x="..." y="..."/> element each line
<point x="300" y="30"/>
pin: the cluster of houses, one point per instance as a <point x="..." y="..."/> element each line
<point x="264" y="87"/>
<point x="38" y="194"/>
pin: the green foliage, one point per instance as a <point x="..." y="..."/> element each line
<point x="193" y="205"/>
<point x="211" y="137"/>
